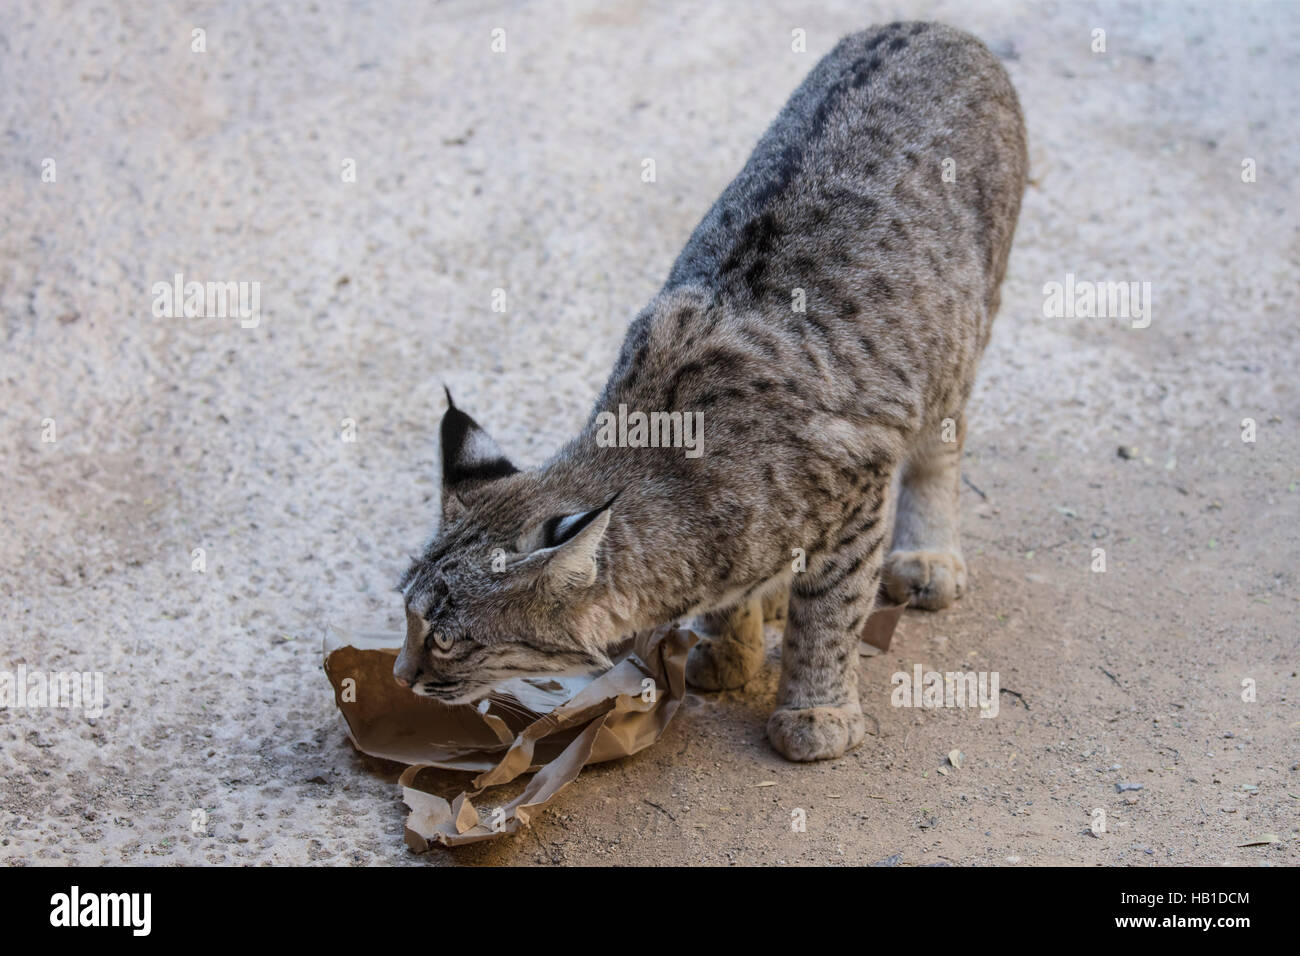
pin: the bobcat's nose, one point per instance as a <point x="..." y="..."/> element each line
<point x="406" y="670"/>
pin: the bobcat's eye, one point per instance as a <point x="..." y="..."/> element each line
<point x="442" y="640"/>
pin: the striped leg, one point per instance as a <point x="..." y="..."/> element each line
<point x="817" y="715"/>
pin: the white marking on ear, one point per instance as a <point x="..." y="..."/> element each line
<point x="565" y="525"/>
<point x="477" y="449"/>
<point x="573" y="563"/>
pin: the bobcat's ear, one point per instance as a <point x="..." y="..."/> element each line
<point x="469" y="457"/>
<point x="571" y="545"/>
<point x="452" y="509"/>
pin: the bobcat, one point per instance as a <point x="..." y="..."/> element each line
<point x="825" y="318"/>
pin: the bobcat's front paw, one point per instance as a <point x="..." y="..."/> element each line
<point x="716" y="664"/>
<point x="925" y="579"/>
<point x="816" y="733"/>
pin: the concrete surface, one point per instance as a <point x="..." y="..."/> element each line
<point x="521" y="171"/>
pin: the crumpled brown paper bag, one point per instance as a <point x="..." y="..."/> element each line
<point x="551" y="728"/>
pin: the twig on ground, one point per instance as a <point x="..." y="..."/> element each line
<point x="970" y="484"/>
<point x="1016" y="694"/>
<point x="662" y="810"/>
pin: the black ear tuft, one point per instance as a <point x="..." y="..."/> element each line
<point x="469" y="455"/>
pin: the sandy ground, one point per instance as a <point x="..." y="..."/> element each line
<point x="521" y="171"/>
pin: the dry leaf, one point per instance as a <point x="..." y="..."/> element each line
<point x="1263" y="840"/>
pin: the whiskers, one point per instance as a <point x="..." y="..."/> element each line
<point x="511" y="707"/>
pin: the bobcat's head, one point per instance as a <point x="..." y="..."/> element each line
<point x="511" y="584"/>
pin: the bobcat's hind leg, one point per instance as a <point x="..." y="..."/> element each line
<point x="925" y="567"/>
<point x="775" y="604"/>
<point x="731" y="649"/>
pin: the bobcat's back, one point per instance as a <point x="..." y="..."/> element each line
<point x="884" y="196"/>
<point x="853" y="167"/>
<point x="830" y="309"/>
